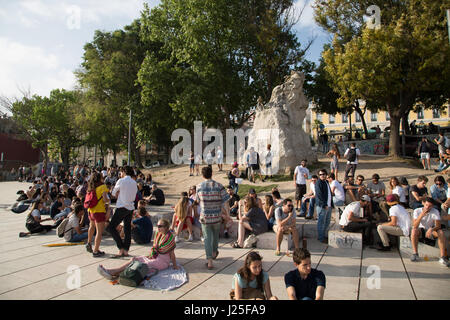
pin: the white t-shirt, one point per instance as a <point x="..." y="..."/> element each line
<point x="427" y="222"/>
<point x="301" y="171"/>
<point x="354" y="207"/>
<point x="127" y="189"/>
<point x="72" y="223"/>
<point x="403" y="218"/>
<point x="398" y="190"/>
<point x="312" y="187"/>
<point x="358" y="153"/>
<point x="219" y="155"/>
<point x="339" y="191"/>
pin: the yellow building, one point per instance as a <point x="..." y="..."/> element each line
<point x="339" y="123"/>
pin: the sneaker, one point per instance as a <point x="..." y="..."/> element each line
<point x="89" y="248"/>
<point x="444" y="261"/>
<point x="191" y="238"/>
<point x="105" y="274"/>
<point x="415" y="257"/>
<point x="23" y="234"/>
<point x="177" y="239"/>
<point x="98" y="254"/>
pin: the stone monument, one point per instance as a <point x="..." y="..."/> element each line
<point x="279" y="123"/>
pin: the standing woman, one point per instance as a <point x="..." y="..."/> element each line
<point x="97" y="214"/>
<point x="251" y="281"/>
<point x="335" y="156"/>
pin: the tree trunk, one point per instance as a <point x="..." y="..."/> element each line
<point x="350" y="124"/>
<point x="394" y="136"/>
<point x="405" y="124"/>
<point x="361" y="114"/>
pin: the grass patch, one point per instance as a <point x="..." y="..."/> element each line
<point x="243" y="189"/>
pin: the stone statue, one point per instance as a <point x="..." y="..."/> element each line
<point x="279" y="123"/>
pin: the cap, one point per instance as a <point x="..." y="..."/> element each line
<point x="392" y="198"/>
<point x="365" y="198"/>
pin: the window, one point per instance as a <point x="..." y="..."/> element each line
<point x="344" y="117"/>
<point x="436" y="113"/>
<point x="331" y="118"/>
<point x="373" y="117"/>
<point x="319" y="116"/>
<point x="388" y="117"/>
<point x="357" y="117"/>
<point x="420" y="113"/>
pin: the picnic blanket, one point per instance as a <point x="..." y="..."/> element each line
<point x="167" y="279"/>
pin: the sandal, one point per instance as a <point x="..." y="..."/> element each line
<point x="208" y="267"/>
<point x="236" y="245"/>
<point x="277" y="253"/>
<point x="215" y="256"/>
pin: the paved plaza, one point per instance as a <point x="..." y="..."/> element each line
<point x="29" y="270"/>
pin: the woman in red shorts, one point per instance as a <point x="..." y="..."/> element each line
<point x="182" y="219"/>
<point x="97" y="214"/>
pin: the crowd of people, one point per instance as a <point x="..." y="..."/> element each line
<point x="84" y="199"/>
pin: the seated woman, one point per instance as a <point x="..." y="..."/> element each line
<point x="253" y="221"/>
<point x="269" y="209"/>
<point x="162" y="253"/>
<point x="73" y="231"/>
<point x="251" y="281"/>
<point x="182" y="219"/>
<point x="33" y="222"/>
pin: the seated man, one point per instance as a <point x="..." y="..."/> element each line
<point x="427" y="224"/>
<point x="58" y="209"/>
<point x="233" y="202"/>
<point x="156" y="198"/>
<point x="352" y="219"/>
<point x="285" y="224"/>
<point x="418" y="193"/>
<point x="337" y="190"/>
<point x="309" y="198"/>
<point x="399" y="224"/>
<point x="304" y="283"/>
<point x="142" y="227"/>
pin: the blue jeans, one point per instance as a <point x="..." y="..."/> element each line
<point x="312" y="203"/>
<point x="79" y="237"/>
<point x="211" y="236"/>
<point x="338" y="203"/>
<point x="442" y="166"/>
<point x="323" y="221"/>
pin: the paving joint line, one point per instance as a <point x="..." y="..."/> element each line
<point x="407" y="274"/>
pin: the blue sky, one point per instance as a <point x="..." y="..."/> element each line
<point x="41" y="41"/>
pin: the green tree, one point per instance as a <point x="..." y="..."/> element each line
<point x="395" y="66"/>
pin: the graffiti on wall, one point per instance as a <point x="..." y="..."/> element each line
<point x="374" y="146"/>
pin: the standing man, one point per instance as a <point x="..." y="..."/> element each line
<point x="213" y="199"/>
<point x="301" y="174"/>
<point x="125" y="191"/>
<point x="304" y="283"/>
<point x="440" y="141"/>
<point x="352" y="155"/>
<point x="324" y="203"/>
<point x="269" y="157"/>
<point x="424" y="153"/>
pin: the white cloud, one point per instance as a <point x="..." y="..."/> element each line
<point x="31" y="67"/>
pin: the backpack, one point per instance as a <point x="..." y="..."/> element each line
<point x="91" y="200"/>
<point x="447" y="142"/>
<point x="60" y="230"/>
<point x="250" y="242"/>
<point x="134" y="274"/>
<point x="351" y="155"/>
<point x="230" y="175"/>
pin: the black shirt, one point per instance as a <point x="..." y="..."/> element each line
<point x="420" y="191"/>
<point x="159" y="196"/>
<point x="307" y="287"/>
<point x="54" y="210"/>
<point x="233" y="199"/>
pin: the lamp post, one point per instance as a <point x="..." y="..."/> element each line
<point x="129" y="139"/>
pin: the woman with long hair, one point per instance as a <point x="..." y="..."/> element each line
<point x="182" y="219"/>
<point x="251" y="281"/>
<point x="269" y="209"/>
<point x="97" y="214"/>
<point x="161" y="255"/>
<point x="33" y="222"/>
<point x="335" y="155"/>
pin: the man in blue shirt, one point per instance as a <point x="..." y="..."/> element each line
<point x="304" y="283"/>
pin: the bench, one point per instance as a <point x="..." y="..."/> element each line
<point x="268" y="240"/>
<point x="422" y="248"/>
<point x="345" y="240"/>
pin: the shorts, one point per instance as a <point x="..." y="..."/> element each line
<point x="424" y="239"/>
<point x="255" y="168"/>
<point x="185" y="225"/>
<point x="192" y="165"/>
<point x="300" y="191"/>
<point x="275" y="229"/>
<point x="97" y="216"/>
<point x="425" y="155"/>
<point x="269" y="165"/>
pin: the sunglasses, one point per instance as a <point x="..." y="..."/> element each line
<point x="160" y="226"/>
<point x="290" y="206"/>
<point x="322" y="174"/>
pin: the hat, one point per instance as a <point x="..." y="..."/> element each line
<point x="252" y="191"/>
<point x="365" y="198"/>
<point x="392" y="199"/>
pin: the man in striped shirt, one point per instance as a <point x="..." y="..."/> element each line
<point x="213" y="200"/>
